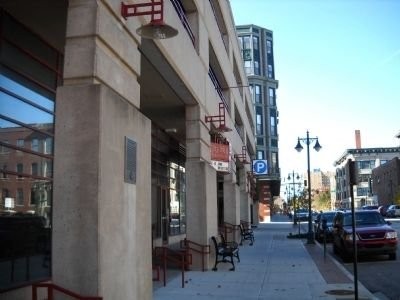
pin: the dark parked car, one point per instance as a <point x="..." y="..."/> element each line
<point x="374" y="236"/>
<point x="301" y="215"/>
<point x="318" y="226"/>
<point x="370" y="207"/>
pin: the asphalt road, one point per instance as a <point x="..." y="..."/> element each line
<point x="377" y="273"/>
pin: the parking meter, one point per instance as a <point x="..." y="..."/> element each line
<point x="324" y="229"/>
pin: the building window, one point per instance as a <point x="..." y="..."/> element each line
<point x="48" y="145"/>
<point x="260" y="142"/>
<point x="20" y="170"/>
<point x="274" y="162"/>
<point x="270" y="72"/>
<point x="48" y="169"/>
<point x="256" y="56"/>
<point x="20" y="143"/>
<point x="260" y="154"/>
<point x="271" y="94"/>
<point x="248" y="67"/>
<point x="4" y="149"/>
<point x="4" y="174"/>
<point x="35" y="145"/>
<point x="273" y="122"/>
<point x="256" y="68"/>
<point x="35" y="169"/>
<point x="257" y="94"/>
<point x="362" y="191"/>
<point x="269" y="47"/>
<point x="255" y="42"/>
<point x="274" y="143"/>
<point x="259" y="122"/>
<point x="366" y="164"/>
<point x="20" y="197"/>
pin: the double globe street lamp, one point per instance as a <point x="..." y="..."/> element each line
<point x="307" y="140"/>
<point x="292" y="176"/>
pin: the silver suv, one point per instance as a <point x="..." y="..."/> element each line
<point x="393" y="211"/>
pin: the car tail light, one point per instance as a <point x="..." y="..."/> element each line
<point x="391" y="235"/>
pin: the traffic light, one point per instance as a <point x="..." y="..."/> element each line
<point x="351" y="172"/>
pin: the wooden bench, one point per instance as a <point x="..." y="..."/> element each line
<point x="223" y="251"/>
<point x="246" y="234"/>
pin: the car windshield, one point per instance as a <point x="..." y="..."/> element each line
<point x="328" y="217"/>
<point x="364" y="219"/>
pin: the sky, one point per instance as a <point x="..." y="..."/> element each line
<point x="338" y="67"/>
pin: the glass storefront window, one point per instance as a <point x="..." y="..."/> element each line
<point x="29" y="75"/>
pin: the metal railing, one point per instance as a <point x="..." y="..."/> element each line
<point x="181" y="258"/>
<point x="232" y="229"/>
<point x="218" y="87"/>
<point x="51" y="287"/>
<point x="189" y="245"/>
<point x="182" y="16"/>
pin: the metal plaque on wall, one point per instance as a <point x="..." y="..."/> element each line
<point x="130" y="161"/>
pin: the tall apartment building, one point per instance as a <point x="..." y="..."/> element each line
<point x="112" y="144"/>
<point x="256" y="44"/>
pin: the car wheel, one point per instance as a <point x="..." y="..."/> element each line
<point x="335" y="249"/>
<point x="392" y="256"/>
<point x="346" y="256"/>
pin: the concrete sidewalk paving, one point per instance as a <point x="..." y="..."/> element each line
<point x="275" y="267"/>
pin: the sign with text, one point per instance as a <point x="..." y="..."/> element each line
<point x="220" y="157"/>
<point x="260" y="167"/>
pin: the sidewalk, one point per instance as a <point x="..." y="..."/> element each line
<point x="275" y="267"/>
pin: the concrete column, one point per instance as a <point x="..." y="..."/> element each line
<point x="232" y="203"/>
<point x="101" y="224"/>
<point x="201" y="185"/>
<point x="244" y="196"/>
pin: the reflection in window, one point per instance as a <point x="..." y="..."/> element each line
<point x="269" y="47"/>
<point x="29" y="74"/>
<point x="270" y="72"/>
<point x="35" y="170"/>
<point x="4" y="149"/>
<point x="20" y="197"/>
<point x="271" y="93"/>
<point x="273" y="122"/>
<point x="257" y="93"/>
<point x="20" y="143"/>
<point x="35" y="145"/>
<point x="48" y="145"/>
<point x="274" y="162"/>
<point x="259" y="122"/>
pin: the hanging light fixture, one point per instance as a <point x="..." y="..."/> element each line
<point x="220" y="118"/>
<point x="243" y="156"/>
<point x="156" y="29"/>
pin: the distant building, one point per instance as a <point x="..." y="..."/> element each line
<point x="320" y="181"/>
<point x="386" y="182"/>
<point x="366" y="160"/>
<point x="256" y="45"/>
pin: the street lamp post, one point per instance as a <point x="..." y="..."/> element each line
<point x="307" y="140"/>
<point x="293" y="177"/>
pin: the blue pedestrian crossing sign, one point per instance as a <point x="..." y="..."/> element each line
<point x="260" y="167"/>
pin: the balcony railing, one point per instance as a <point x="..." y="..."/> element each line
<point x="218" y="24"/>
<point x="182" y="16"/>
<point x="217" y="86"/>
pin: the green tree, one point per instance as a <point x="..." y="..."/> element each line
<point x="322" y="201"/>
